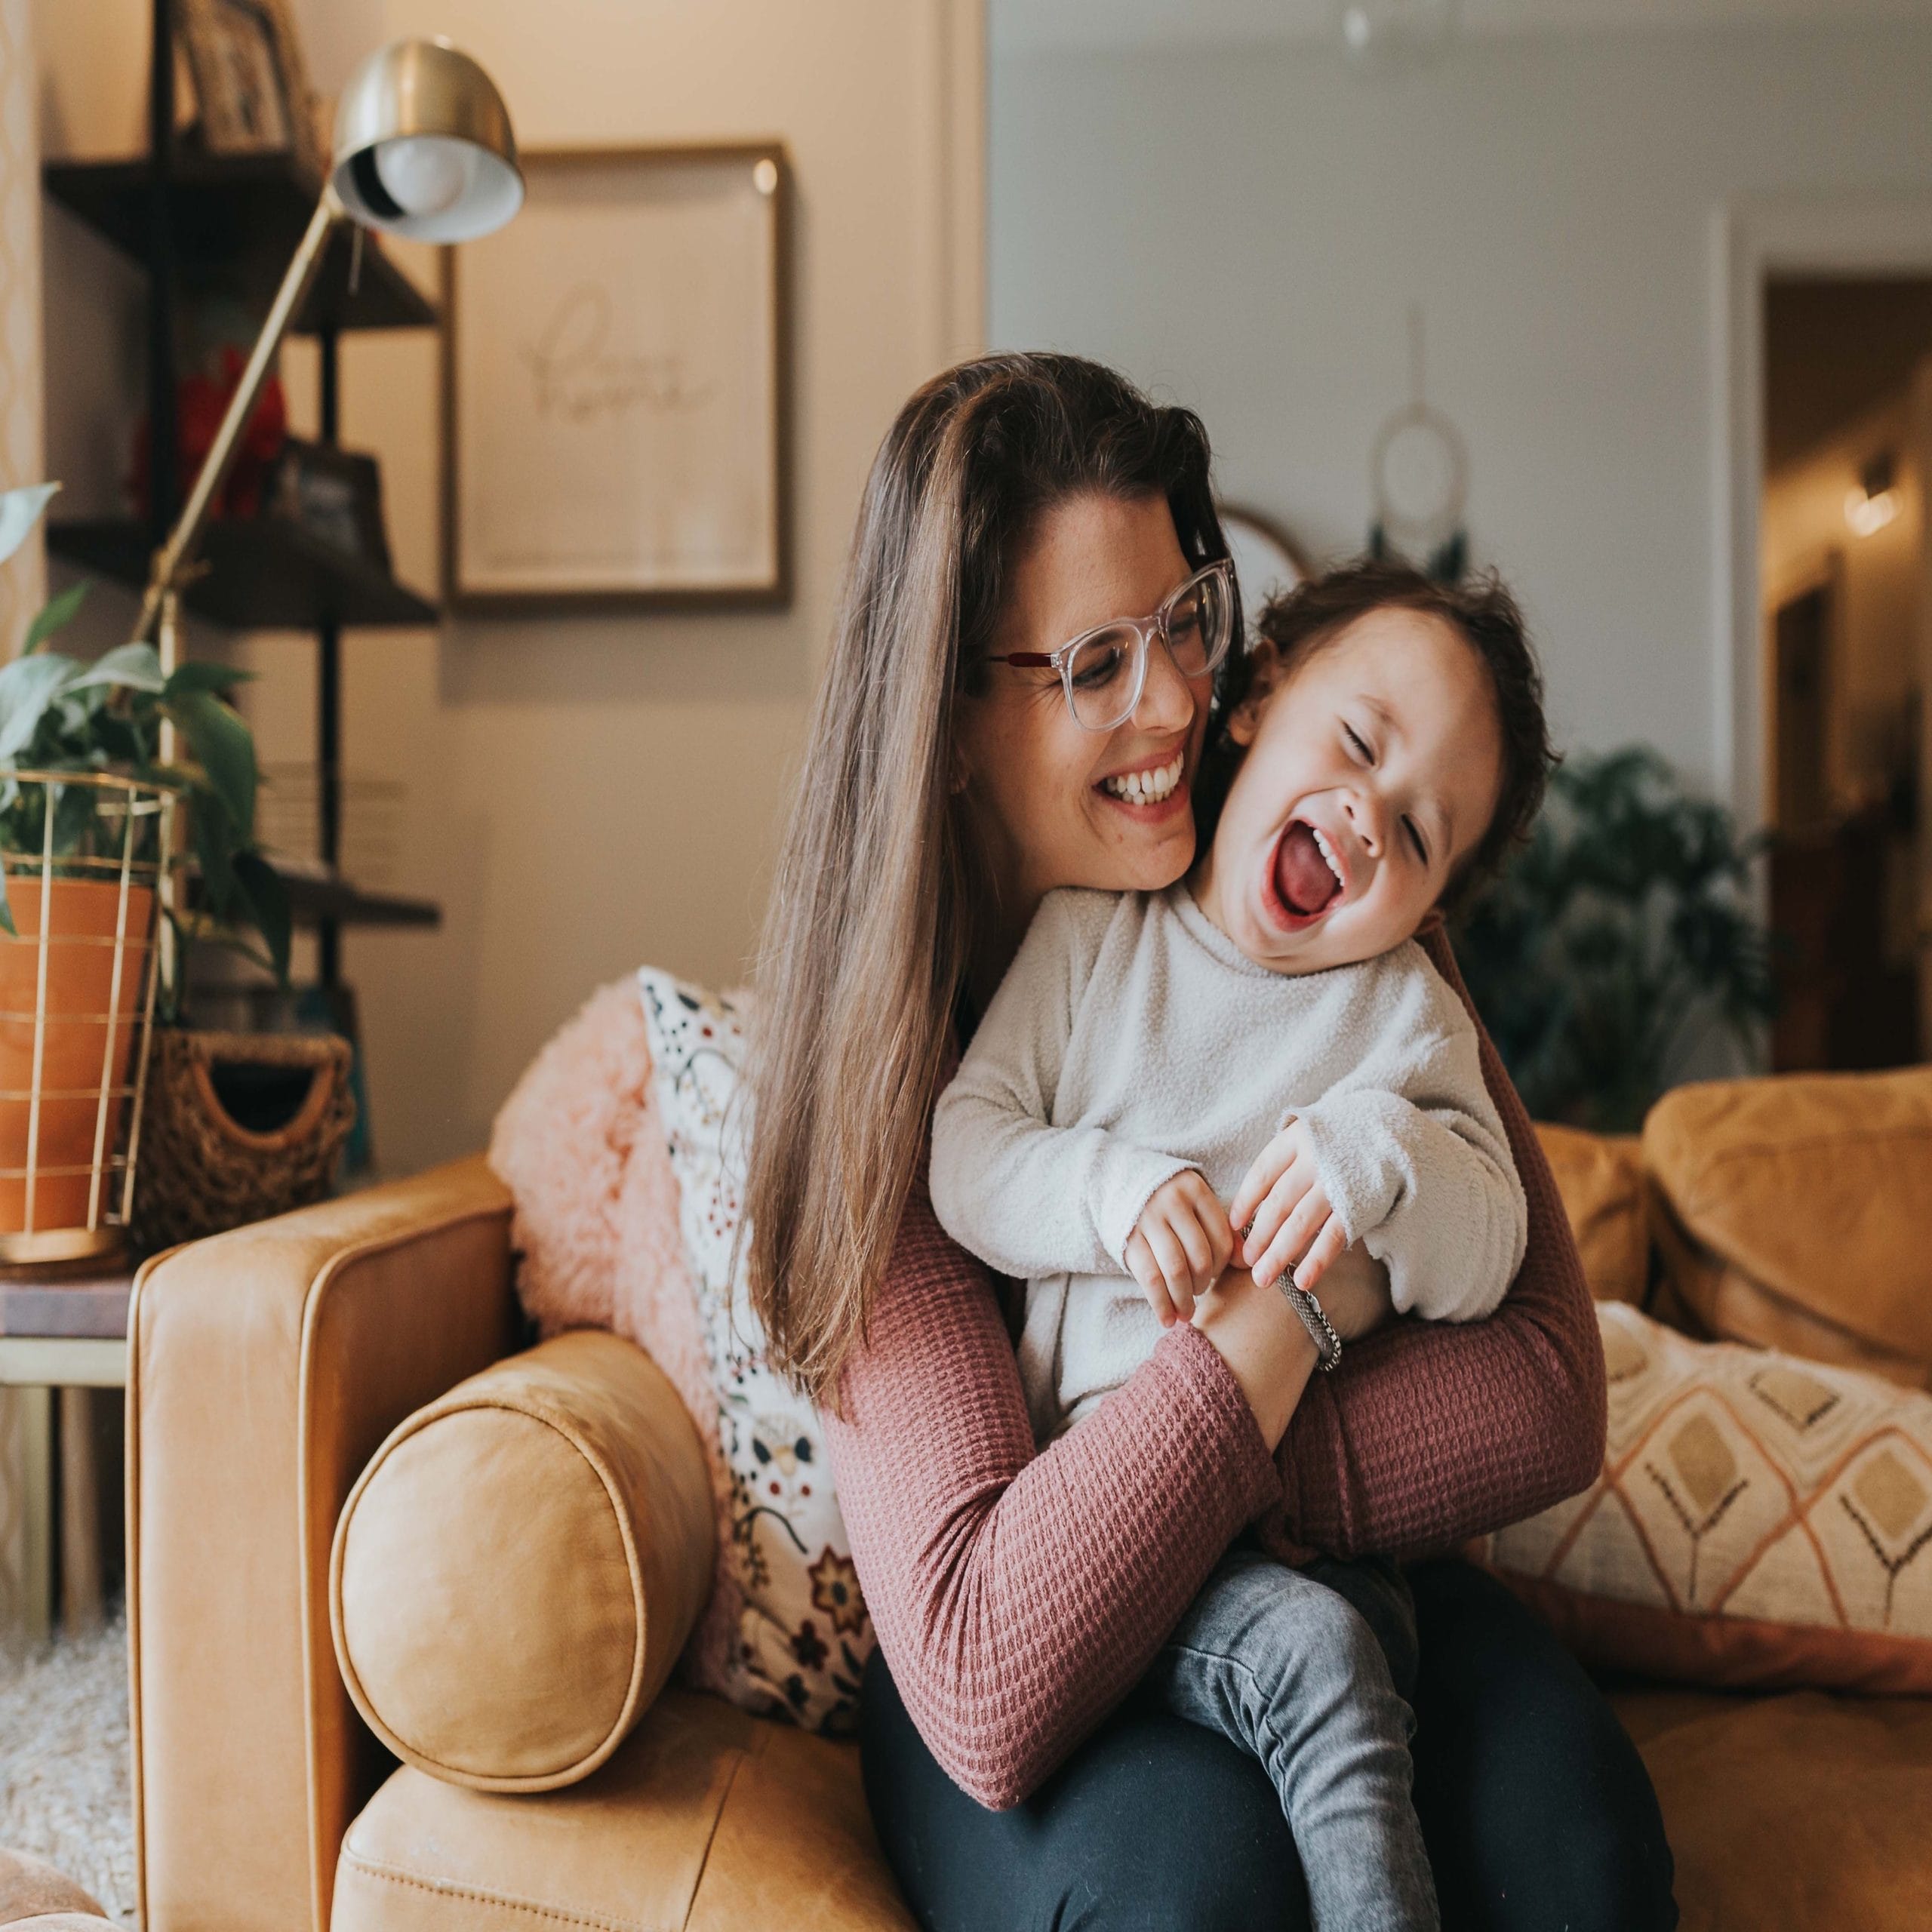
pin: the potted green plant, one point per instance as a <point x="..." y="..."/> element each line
<point x="1616" y="942"/>
<point x="86" y="805"/>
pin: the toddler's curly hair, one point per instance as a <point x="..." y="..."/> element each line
<point x="1319" y="610"/>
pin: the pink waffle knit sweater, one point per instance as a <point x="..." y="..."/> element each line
<point x="1018" y="1595"/>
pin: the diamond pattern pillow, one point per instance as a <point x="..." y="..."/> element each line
<point x="1760" y="1520"/>
<point x="803" y="1635"/>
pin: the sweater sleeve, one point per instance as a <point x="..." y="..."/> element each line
<point x="1433" y="1432"/>
<point x="1030" y="1198"/>
<point x="1412" y="1153"/>
<point x="1017" y="1595"/>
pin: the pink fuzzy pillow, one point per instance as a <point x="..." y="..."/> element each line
<point x="580" y="1145"/>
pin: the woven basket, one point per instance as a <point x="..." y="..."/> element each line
<point x="201" y="1169"/>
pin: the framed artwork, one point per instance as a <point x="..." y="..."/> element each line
<point x="616" y="376"/>
<point x="250" y="85"/>
<point x="336" y="495"/>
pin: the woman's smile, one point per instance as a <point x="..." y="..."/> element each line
<point x="1155" y="788"/>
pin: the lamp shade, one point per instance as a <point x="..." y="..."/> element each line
<point x="423" y="147"/>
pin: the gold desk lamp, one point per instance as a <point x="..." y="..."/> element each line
<point x="422" y="149"/>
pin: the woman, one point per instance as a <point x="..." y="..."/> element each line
<point x="1018" y="501"/>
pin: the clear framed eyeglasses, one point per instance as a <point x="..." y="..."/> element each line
<point x="1104" y="670"/>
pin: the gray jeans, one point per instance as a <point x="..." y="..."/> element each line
<point x="1295" y="1666"/>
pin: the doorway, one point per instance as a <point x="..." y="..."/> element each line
<point x="1845" y="604"/>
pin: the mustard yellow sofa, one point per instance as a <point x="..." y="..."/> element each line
<point x="527" y="1556"/>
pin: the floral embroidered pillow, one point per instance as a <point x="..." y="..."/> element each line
<point x="802" y="1634"/>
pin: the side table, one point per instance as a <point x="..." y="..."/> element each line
<point x="60" y="1335"/>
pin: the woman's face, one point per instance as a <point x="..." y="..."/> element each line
<point x="1049" y="795"/>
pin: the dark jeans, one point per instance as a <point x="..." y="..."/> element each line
<point x="1537" y="1811"/>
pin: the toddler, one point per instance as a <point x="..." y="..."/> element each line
<point x="1269" y="1033"/>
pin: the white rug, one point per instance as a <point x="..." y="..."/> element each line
<point x="64" y="1786"/>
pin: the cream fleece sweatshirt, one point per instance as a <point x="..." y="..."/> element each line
<point x="1131" y="1039"/>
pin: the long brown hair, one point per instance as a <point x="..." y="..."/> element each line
<point x="871" y="920"/>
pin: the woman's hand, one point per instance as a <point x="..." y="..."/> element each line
<point x="1263" y="1343"/>
<point x="1355" y="1294"/>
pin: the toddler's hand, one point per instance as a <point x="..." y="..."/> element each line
<point x="1286" y="1216"/>
<point x="1180" y="1245"/>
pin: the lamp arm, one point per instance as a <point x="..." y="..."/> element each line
<point x="172" y="559"/>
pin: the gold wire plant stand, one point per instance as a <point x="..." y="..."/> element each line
<point x="79" y="979"/>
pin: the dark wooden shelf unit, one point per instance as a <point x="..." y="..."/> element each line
<point x="320" y="902"/>
<point x="242" y="215"/>
<point x="262" y="573"/>
<point x="201" y="224"/>
<point x="315" y="901"/>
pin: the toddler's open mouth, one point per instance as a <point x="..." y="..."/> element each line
<point x="1306" y="878"/>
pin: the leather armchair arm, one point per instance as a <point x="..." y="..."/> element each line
<point x="265" y="1368"/>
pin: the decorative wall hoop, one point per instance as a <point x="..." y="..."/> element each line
<point x="1428" y="527"/>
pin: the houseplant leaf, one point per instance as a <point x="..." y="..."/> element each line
<point x="214" y="847"/>
<point x="268" y="898"/>
<point x="28" y="686"/>
<point x="226" y="750"/>
<point x="134" y="667"/>
<point x="19" y="511"/>
<point x="199" y="677"/>
<point x="56" y="614"/>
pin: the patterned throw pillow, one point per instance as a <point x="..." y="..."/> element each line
<point x="1760" y="1520"/>
<point x="803" y="1635"/>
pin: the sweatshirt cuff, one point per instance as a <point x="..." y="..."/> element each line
<point x="1124" y="1181"/>
<point x="1351" y="1157"/>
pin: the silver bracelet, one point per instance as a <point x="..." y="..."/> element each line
<point x="1321" y="1330"/>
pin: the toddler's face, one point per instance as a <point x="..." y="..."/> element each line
<point x="1372" y="771"/>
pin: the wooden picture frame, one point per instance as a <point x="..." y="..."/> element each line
<point x="251" y="84"/>
<point x="615" y="387"/>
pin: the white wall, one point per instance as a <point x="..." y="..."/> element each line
<point x="1245" y="228"/>
<point x="588" y="794"/>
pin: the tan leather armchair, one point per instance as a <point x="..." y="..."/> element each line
<point x="270" y="1365"/>
<point x="267" y="1368"/>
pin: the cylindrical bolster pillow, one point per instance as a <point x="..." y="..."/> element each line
<point x="517" y="1569"/>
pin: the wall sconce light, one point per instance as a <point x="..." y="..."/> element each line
<point x="1872" y="502"/>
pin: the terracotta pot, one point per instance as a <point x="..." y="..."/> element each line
<point x="78" y="1053"/>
